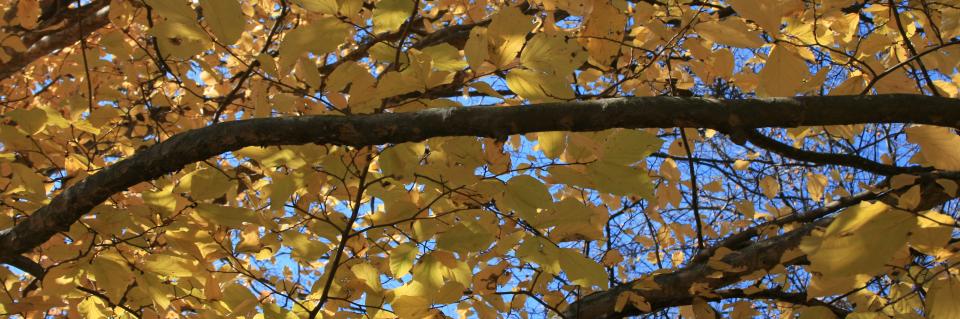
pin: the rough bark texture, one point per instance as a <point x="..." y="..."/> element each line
<point x="675" y="286"/>
<point x="73" y="25"/>
<point x="731" y="116"/>
<point x="637" y="112"/>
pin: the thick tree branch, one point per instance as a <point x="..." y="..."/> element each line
<point x="363" y="130"/>
<point x="39" y="44"/>
<point x="674" y="288"/>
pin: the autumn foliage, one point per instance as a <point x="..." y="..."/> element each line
<point x="479" y="159"/>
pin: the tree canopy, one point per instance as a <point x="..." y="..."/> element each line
<point x="479" y="159"/>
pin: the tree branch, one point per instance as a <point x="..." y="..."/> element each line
<point x="674" y="288"/>
<point x="848" y="160"/>
<point x="88" y="18"/>
<point x="364" y="130"/>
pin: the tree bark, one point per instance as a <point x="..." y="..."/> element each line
<point x="729" y="116"/>
<point x="76" y="24"/>
<point x="675" y="287"/>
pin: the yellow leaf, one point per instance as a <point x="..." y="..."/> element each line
<point x="153" y="287"/>
<point x="281" y="188"/>
<point x="822" y="285"/>
<point x="30" y="121"/>
<point x="605" y="23"/>
<point x="932" y="233"/>
<point x="476" y="50"/>
<point x="627" y="146"/>
<point x="860" y="240"/>
<point x="463" y="239"/>
<point x="401" y="259"/>
<point x="485" y="88"/>
<point x="303" y="246"/>
<point x="103" y="115"/>
<point x="816" y="184"/>
<point x="389" y="15"/>
<point x="348" y="73"/>
<point x="552" y="54"/>
<point x="703" y="310"/>
<point x="27" y="13"/>
<point x="634" y="299"/>
<point x="410" y="307"/>
<point x="526" y="196"/>
<point x="224" y="18"/>
<point x="741" y="165"/>
<point x="321" y="36"/>
<point x="322" y="6"/>
<point x="60" y="279"/>
<point x="167" y="265"/>
<point x="939" y="146"/>
<point x="368" y="274"/>
<point x="240" y="300"/>
<point x="582" y="270"/>
<point x="180" y="39"/>
<point x="541" y="252"/>
<point x="783" y="74"/>
<point x="205" y="184"/>
<point x="25" y="179"/>
<point x="770" y="186"/>
<point x="767" y="14"/>
<point x="111" y="274"/>
<point x="179" y="10"/>
<point x="162" y="199"/>
<point x="233" y="217"/>
<point x="249" y="239"/>
<point x="816" y="312"/>
<point x="445" y="57"/>
<point x="743" y="310"/>
<point x="949" y="186"/>
<point x="537" y="86"/>
<point x="90" y="307"/>
<point x="731" y="31"/>
<point x="909" y="199"/>
<point x="429" y="272"/>
<point x="507" y="32"/>
<point x="942" y="297"/>
<point x="552" y="143"/>
<point x="619" y="179"/>
<point x="401" y="160"/>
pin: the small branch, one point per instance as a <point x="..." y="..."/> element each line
<point x="848" y="160"/>
<point x="913" y="50"/>
<point x="695" y="199"/>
